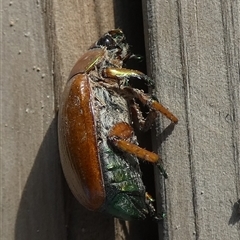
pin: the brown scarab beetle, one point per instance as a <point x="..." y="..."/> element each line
<point x="98" y="148"/>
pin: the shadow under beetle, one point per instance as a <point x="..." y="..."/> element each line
<point x="98" y="148"/>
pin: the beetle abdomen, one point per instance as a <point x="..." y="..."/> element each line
<point x="121" y="171"/>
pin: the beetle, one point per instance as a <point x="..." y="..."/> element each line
<point x="98" y="148"/>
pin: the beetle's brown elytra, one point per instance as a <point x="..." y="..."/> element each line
<point x="98" y="147"/>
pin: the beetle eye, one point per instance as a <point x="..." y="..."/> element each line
<point x="106" y="41"/>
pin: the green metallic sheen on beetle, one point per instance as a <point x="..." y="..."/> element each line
<point x="98" y="148"/>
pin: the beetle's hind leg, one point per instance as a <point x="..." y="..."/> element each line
<point x="151" y="209"/>
<point x="120" y="136"/>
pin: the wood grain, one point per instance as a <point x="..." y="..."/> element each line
<point x="192" y="49"/>
<point x="40" y="43"/>
<point x="194" y="57"/>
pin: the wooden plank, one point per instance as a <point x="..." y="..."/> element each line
<point x="77" y="25"/>
<point x="193" y="49"/>
<point x="31" y="179"/>
<point x="40" y="43"/>
<point x="193" y="53"/>
<point x="95" y="18"/>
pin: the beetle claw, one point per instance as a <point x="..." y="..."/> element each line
<point x="162" y="170"/>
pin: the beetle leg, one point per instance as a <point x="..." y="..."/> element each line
<point x="124" y="73"/>
<point x="141" y="123"/>
<point x="149" y="200"/>
<point x="120" y="136"/>
<point x="152" y="103"/>
<point x="136" y="115"/>
<point x="149" y="120"/>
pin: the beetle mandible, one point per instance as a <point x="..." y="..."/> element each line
<point x="98" y="148"/>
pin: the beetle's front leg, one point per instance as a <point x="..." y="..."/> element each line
<point x="124" y="73"/>
<point x="120" y="136"/>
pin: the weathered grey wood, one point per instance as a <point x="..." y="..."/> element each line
<point x="31" y="179"/>
<point x="78" y="24"/>
<point x="193" y="52"/>
<point x="40" y="43"/>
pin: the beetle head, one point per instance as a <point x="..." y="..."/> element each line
<point x="114" y="41"/>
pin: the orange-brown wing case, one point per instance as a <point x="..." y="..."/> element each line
<point x="78" y="146"/>
<point x="87" y="61"/>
